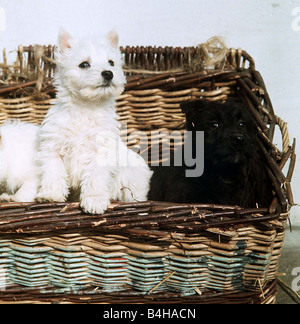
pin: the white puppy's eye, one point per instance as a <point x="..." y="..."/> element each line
<point x="111" y="63"/>
<point x="84" y="65"/>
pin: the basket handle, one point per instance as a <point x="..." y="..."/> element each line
<point x="284" y="132"/>
<point x="288" y="153"/>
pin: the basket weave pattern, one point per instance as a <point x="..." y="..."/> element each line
<point x="147" y="251"/>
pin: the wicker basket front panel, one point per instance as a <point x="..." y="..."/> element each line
<point x="233" y="260"/>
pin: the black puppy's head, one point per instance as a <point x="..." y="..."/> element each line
<point x="229" y="130"/>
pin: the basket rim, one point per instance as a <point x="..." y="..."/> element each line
<point x="162" y="217"/>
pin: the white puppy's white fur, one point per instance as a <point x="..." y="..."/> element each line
<point x="18" y="169"/>
<point x="77" y="133"/>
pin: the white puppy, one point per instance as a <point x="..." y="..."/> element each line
<point x="18" y="169"/>
<point x="82" y="129"/>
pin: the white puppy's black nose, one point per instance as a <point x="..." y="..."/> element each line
<point x="107" y="75"/>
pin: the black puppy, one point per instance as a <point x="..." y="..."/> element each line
<point x="233" y="171"/>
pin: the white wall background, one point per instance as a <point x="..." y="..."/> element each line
<point x="268" y="29"/>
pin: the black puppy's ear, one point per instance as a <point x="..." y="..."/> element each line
<point x="190" y="107"/>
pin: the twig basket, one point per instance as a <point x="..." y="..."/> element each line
<point x="147" y="252"/>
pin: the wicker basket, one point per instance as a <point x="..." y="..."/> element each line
<point x="147" y="252"/>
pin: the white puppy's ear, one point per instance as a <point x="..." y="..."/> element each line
<point x="65" y="40"/>
<point x="113" y="38"/>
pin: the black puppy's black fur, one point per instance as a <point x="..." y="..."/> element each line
<point x="234" y="173"/>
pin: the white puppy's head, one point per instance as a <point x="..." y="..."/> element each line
<point x="89" y="69"/>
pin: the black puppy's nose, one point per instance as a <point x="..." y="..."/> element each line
<point x="107" y="75"/>
<point x="239" y="139"/>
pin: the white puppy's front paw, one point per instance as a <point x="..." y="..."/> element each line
<point x="7" y="198"/>
<point x="49" y="197"/>
<point x="25" y="197"/>
<point x="94" y="204"/>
